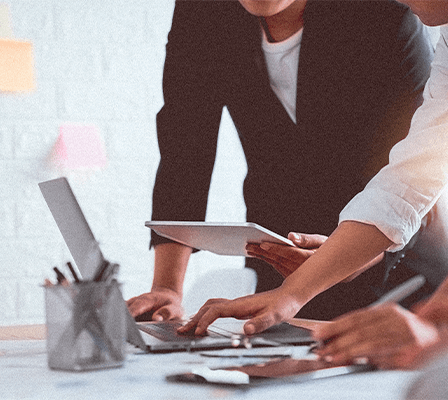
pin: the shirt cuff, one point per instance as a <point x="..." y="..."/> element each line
<point x="393" y="216"/>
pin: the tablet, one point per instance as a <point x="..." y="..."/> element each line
<point x="222" y="238"/>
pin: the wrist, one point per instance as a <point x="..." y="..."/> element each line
<point x="170" y="265"/>
<point x="295" y="294"/>
<point x="167" y="289"/>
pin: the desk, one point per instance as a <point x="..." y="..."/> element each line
<point x="25" y="375"/>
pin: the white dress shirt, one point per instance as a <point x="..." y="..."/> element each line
<point x="416" y="178"/>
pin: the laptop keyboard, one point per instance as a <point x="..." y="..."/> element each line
<point x="167" y="331"/>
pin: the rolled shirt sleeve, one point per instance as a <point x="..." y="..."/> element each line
<point x="403" y="192"/>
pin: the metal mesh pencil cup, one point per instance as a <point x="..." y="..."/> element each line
<point x="86" y="326"/>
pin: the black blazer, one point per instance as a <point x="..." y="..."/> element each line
<point x="362" y="67"/>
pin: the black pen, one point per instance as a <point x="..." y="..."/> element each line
<point x="101" y="271"/>
<point x="73" y="272"/>
<point x="60" y="276"/>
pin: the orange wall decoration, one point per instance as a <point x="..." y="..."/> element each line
<point x="16" y="66"/>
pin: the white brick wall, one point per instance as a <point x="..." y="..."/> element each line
<point x="97" y="63"/>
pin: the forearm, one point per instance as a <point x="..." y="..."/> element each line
<point x="348" y="250"/>
<point x="170" y="265"/>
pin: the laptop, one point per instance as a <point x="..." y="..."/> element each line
<point x="152" y="336"/>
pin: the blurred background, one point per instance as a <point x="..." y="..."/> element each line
<point x="95" y="88"/>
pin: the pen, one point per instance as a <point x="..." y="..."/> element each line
<point x="401" y="291"/>
<point x="101" y="271"/>
<point x="73" y="272"/>
<point x="60" y="276"/>
<point x="106" y="272"/>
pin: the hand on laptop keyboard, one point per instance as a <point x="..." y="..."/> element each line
<point x="160" y="304"/>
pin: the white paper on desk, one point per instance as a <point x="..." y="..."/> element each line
<point x="239" y="356"/>
<point x="222" y="376"/>
<point x="268" y="352"/>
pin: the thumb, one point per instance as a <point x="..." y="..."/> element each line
<point x="307" y="241"/>
<point x="162" y="314"/>
<point x="259" y="324"/>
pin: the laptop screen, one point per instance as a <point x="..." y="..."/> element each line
<point x="73" y="226"/>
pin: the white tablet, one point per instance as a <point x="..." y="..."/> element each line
<point x="228" y="239"/>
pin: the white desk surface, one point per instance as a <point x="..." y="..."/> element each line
<point x="25" y="375"/>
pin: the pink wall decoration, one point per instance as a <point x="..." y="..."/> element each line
<point x="79" y="147"/>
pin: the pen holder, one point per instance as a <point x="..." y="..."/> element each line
<point x="86" y="326"/>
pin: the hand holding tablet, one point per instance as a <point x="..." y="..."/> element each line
<point x="229" y="239"/>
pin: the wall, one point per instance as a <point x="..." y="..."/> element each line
<point x="97" y="63"/>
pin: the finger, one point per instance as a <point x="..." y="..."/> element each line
<point x="377" y="336"/>
<point x="162" y="314"/>
<point x="192" y="323"/>
<point x="167" y="313"/>
<point x="278" y="252"/>
<point x="284" y="266"/>
<point x="261" y="323"/>
<point x="349" y="347"/>
<point x="344" y="325"/>
<point x="352" y="347"/>
<point x="261" y="255"/>
<point x="333" y="329"/>
<point x="254" y="248"/>
<point x="307" y="241"/>
<point x="131" y="300"/>
<point x="208" y="317"/>
<point x="259" y="252"/>
<point x="241" y="308"/>
<point x="140" y="306"/>
<point x="341" y="348"/>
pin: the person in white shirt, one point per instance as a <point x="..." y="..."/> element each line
<point x="383" y="217"/>
<point x="396" y="199"/>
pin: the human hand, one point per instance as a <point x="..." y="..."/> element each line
<point x="286" y="259"/>
<point x="263" y="311"/>
<point x="435" y="309"/>
<point x="388" y="336"/>
<point x="165" y="304"/>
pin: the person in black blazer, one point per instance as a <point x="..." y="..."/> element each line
<point x="361" y="71"/>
